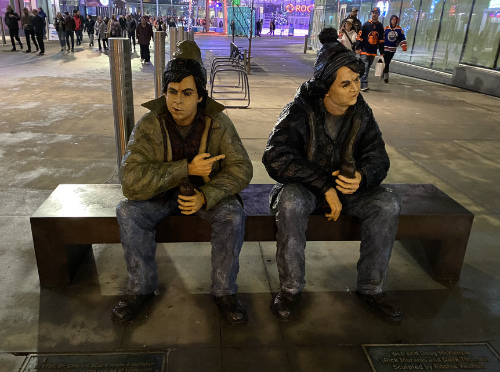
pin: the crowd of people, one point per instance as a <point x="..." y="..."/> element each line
<point x="371" y="37"/>
<point x="71" y="29"/>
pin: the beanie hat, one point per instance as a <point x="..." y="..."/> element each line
<point x="187" y="59"/>
<point x="332" y="56"/>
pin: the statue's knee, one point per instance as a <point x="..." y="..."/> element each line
<point x="392" y="204"/>
<point x="291" y="203"/>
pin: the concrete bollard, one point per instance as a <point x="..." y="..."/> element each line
<point x="121" y="91"/>
<point x="4" y="42"/>
<point x="159" y="61"/>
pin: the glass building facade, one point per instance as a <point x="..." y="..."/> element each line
<point x="441" y="34"/>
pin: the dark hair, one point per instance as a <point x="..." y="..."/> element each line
<point x="327" y="35"/>
<point x="353" y="66"/>
<point x="178" y="76"/>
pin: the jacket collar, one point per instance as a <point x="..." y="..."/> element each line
<point x="159" y="106"/>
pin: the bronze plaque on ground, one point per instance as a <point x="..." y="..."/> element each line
<point x="433" y="357"/>
<point x="113" y="362"/>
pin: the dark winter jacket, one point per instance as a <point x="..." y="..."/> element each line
<point x="131" y="25"/>
<point x="144" y="34"/>
<point x="69" y="23"/>
<point x="38" y="23"/>
<point x="300" y="151"/>
<point x="12" y="22"/>
<point x="89" y="26"/>
<point x="59" y="24"/>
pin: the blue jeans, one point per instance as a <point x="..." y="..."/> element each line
<point x="62" y="38"/>
<point x="378" y="208"/>
<point x="137" y="220"/>
<point x="367" y="60"/>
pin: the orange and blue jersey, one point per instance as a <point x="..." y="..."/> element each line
<point x="370" y="38"/>
<point x="394" y="37"/>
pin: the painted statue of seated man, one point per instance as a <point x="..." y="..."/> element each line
<point x="326" y="151"/>
<point x="184" y="135"/>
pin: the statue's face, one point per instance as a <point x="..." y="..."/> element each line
<point x="182" y="100"/>
<point x="343" y="92"/>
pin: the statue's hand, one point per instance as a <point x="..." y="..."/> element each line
<point x="191" y="204"/>
<point x="347" y="185"/>
<point x="201" y="165"/>
<point x="335" y="205"/>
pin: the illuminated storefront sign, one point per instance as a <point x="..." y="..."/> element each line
<point x="299" y="8"/>
<point x="494" y="4"/>
<point x="384" y="7"/>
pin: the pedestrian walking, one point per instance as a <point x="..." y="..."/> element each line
<point x="69" y="27"/>
<point x="131" y="26"/>
<point x="356" y="23"/>
<point x="114" y="28"/>
<point x="29" y="31"/>
<point x="42" y="14"/>
<point x="12" y="22"/>
<point x="272" y="27"/>
<point x="89" y="26"/>
<point x="100" y="31"/>
<point x="39" y="24"/>
<point x="233" y="28"/>
<point x="123" y="25"/>
<point x="78" y="27"/>
<point x="144" y="36"/>
<point x="394" y="37"/>
<point x="61" y="32"/>
<point x="370" y="39"/>
<point x="347" y="35"/>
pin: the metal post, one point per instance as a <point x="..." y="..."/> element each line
<point x="159" y="61"/>
<point x="173" y="41"/>
<point x="305" y="43"/>
<point x="110" y="8"/>
<point x="3" y="32"/>
<point x="142" y="9"/>
<point x="121" y="91"/>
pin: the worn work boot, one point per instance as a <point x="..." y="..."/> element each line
<point x="231" y="309"/>
<point x="128" y="307"/>
<point x="386" y="77"/>
<point x="383" y="306"/>
<point x="286" y="306"/>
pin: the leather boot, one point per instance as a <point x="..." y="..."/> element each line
<point x="286" y="306"/>
<point x="128" y="307"/>
<point x="383" y="306"/>
<point x="231" y="309"/>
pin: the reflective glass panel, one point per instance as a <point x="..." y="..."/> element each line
<point x="452" y="34"/>
<point x="427" y="29"/>
<point x="408" y="22"/>
<point x="483" y="34"/>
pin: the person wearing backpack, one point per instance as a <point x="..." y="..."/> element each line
<point x="114" y="28"/>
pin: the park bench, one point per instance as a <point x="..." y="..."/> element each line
<point x="74" y="217"/>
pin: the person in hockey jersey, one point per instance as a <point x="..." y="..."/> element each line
<point x="370" y="39"/>
<point x="394" y="37"/>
